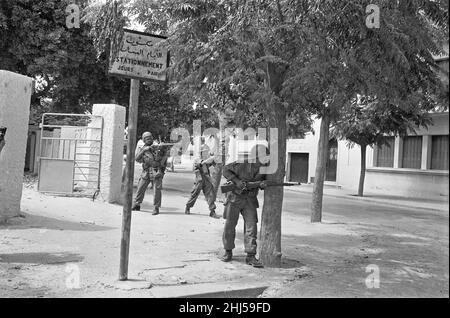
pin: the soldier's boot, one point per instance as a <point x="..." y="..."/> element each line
<point x="187" y="210"/>
<point x="227" y="256"/>
<point x="252" y="260"/>
<point x="136" y="207"/>
<point x="155" y="211"/>
<point x="213" y="214"/>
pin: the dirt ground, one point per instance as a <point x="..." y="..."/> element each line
<point x="69" y="247"/>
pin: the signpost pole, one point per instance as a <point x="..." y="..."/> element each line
<point x="129" y="176"/>
<point x="139" y="58"/>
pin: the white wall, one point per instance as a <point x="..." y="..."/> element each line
<point x="305" y="145"/>
<point x="420" y="183"/>
<point x="112" y="149"/>
<point x="15" y="96"/>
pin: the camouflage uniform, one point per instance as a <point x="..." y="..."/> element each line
<point x="241" y="202"/>
<point x="203" y="183"/>
<point x="153" y="168"/>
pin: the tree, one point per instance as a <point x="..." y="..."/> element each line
<point x="234" y="57"/>
<point x="345" y="58"/>
<point x="273" y="59"/>
<point x="69" y="75"/>
<point x="366" y="123"/>
<point x="70" y="65"/>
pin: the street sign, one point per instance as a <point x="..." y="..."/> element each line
<point x="141" y="56"/>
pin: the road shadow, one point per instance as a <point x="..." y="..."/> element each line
<point x="252" y="292"/>
<point x="30" y="221"/>
<point x="149" y="209"/>
<point x="286" y="263"/>
<point x="291" y="263"/>
<point x="41" y="258"/>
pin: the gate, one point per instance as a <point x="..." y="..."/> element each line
<point x="70" y="154"/>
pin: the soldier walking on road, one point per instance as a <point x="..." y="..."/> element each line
<point x="203" y="180"/>
<point x="153" y="159"/>
<point x="242" y="201"/>
<point x="2" y="138"/>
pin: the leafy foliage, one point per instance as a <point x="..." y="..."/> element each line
<point x="69" y="76"/>
<point x="70" y="65"/>
<point x="366" y="122"/>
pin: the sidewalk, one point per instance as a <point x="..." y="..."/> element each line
<point x="333" y="191"/>
<point x="70" y="247"/>
<point x="173" y="253"/>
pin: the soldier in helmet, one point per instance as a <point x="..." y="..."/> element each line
<point x="153" y="159"/>
<point x="242" y="201"/>
<point x="202" y="180"/>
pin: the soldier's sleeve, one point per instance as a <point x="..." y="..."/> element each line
<point x="139" y="155"/>
<point x="259" y="176"/>
<point x="230" y="173"/>
<point x="164" y="157"/>
<point x="210" y="161"/>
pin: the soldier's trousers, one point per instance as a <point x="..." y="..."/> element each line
<point x="208" y="191"/>
<point x="143" y="183"/>
<point x="248" y="211"/>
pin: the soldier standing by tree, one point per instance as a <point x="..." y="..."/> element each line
<point x="153" y="159"/>
<point x="243" y="200"/>
<point x="203" y="180"/>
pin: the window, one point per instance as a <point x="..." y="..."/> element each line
<point x="412" y="152"/>
<point x="385" y="153"/>
<point x="439" y="152"/>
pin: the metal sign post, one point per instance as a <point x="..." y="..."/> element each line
<point x="139" y="58"/>
<point x="126" y="215"/>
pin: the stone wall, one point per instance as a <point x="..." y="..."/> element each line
<point x="112" y="150"/>
<point x="15" y="97"/>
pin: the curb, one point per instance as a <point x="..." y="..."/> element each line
<point x="208" y="290"/>
<point x="366" y="199"/>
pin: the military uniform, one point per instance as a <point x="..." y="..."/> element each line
<point x="2" y="138"/>
<point x="241" y="202"/>
<point x="203" y="180"/>
<point x="153" y="168"/>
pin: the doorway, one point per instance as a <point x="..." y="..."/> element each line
<point x="299" y="167"/>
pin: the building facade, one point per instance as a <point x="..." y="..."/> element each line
<point x="414" y="166"/>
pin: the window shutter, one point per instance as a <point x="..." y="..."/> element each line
<point x="385" y="154"/>
<point x="439" y="152"/>
<point x="412" y="152"/>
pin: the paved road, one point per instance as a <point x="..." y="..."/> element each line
<point x="299" y="203"/>
<point x="410" y="246"/>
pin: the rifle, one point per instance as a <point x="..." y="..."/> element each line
<point x="162" y="149"/>
<point x="230" y="186"/>
<point x="2" y="132"/>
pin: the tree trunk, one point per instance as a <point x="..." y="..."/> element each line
<point x="322" y="156"/>
<point x="362" y="175"/>
<point x="216" y="173"/>
<point x="270" y="251"/>
<point x="270" y="247"/>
